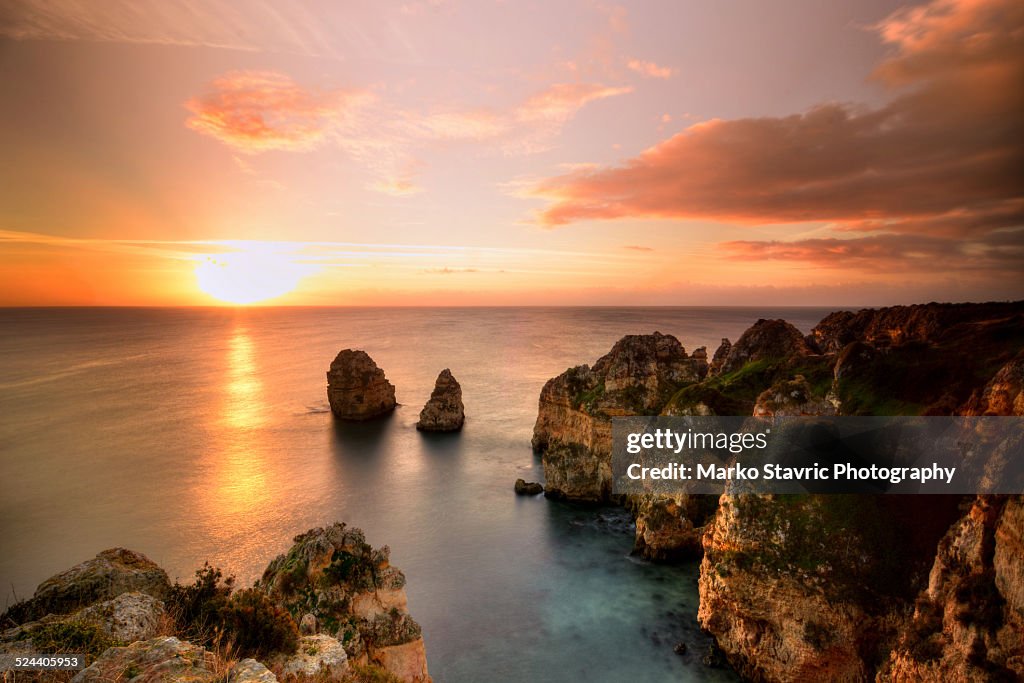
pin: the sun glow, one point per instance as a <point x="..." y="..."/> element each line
<point x="249" y="276"/>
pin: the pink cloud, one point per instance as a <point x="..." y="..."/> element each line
<point x="943" y="157"/>
<point x="256" y="111"/>
<point x="650" y="69"/>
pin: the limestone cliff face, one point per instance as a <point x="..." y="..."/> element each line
<point x="670" y="528"/>
<point x="444" y="411"/>
<point x="354" y="595"/>
<point x="573" y="428"/>
<point x="854" y="587"/>
<point x="357" y="389"/>
<point x="968" y="624"/>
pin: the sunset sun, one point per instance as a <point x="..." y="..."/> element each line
<point x="248" y="277"/>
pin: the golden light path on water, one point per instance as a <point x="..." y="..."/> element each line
<point x="237" y="491"/>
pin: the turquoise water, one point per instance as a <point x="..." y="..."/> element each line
<point x="204" y="434"/>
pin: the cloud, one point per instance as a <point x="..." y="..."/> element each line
<point x="1000" y="252"/>
<point x="270" y="25"/>
<point x="943" y="158"/>
<point x="637" y="247"/>
<point x="256" y="111"/>
<point x="650" y="69"/>
<point x="448" y="271"/>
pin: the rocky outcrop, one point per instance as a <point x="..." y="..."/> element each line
<point x="765" y="340"/>
<point x="1004" y="393"/>
<point x="573" y="428"/>
<point x="128" y="617"/>
<point x="968" y="624"/>
<point x="528" y="488"/>
<point x="811" y="587"/>
<point x="318" y="655"/>
<point x="164" y="659"/>
<point x="721" y="353"/>
<point x="670" y="528"/>
<point x="357" y="389"/>
<point x="444" y="411"/>
<point x="791" y="397"/>
<point x="895" y="325"/>
<point x="106" y="576"/>
<point x="355" y="595"/>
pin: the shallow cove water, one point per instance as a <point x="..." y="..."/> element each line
<point x="204" y="434"/>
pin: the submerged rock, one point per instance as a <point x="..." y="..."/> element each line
<point x="357" y="389"/>
<point x="444" y="411"/>
<point x="528" y="488"/>
<point x="104" y="577"/>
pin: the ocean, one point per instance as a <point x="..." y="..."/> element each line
<point x="203" y="434"/>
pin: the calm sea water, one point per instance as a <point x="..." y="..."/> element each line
<point x="204" y="434"/>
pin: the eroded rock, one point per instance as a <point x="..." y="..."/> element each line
<point x="357" y="389"/>
<point x="109" y="574"/>
<point x="573" y="428"/>
<point x="160" y="660"/>
<point x="318" y="655"/>
<point x="355" y="595"/>
<point x="528" y="488"/>
<point x="444" y="411"/>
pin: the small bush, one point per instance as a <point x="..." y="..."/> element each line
<point x="197" y="607"/>
<point x="73" y="637"/>
<point x="256" y="626"/>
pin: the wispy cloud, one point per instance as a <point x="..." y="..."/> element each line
<point x="257" y="25"/>
<point x="650" y="69"/>
<point x="255" y="111"/>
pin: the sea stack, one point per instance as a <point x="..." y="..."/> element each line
<point x="357" y="389"/>
<point x="444" y="411"/>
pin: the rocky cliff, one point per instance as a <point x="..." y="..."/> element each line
<point x="120" y="610"/>
<point x="573" y="428"/>
<point x="357" y="389"/>
<point x="350" y="591"/>
<point x="834" y="587"/>
<point x="859" y="587"/>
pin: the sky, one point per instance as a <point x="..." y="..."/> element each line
<point x="490" y="152"/>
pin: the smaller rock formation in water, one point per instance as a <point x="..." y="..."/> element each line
<point x="528" y="488"/>
<point x="357" y="389"/>
<point x="444" y="411"/>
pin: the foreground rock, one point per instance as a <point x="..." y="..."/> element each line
<point x="106" y="576"/>
<point x="528" y="488"/>
<point x="357" y="389"/>
<point x="355" y="595"/>
<point x="160" y="659"/>
<point x="444" y="411"/>
<point x="318" y="655"/>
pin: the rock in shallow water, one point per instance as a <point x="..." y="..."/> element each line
<point x="357" y="389"/>
<point x="528" y="488"/>
<point x="444" y="411"/>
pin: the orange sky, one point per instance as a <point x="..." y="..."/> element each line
<point x="447" y="152"/>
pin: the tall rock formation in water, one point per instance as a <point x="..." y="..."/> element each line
<point x="444" y="411"/>
<point x="357" y="389"/>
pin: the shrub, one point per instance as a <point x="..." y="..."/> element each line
<point x="75" y="637"/>
<point x="197" y="607"/>
<point x="256" y="626"/>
